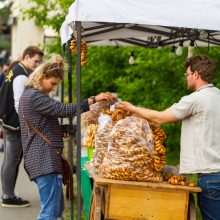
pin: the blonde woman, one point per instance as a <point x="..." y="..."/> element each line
<point x="42" y="164"/>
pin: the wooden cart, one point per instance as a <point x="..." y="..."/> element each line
<point x="118" y="199"/>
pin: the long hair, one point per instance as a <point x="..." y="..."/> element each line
<point x="53" y="68"/>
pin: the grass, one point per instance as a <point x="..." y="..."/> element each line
<point x="193" y="178"/>
<point x="67" y="211"/>
<point x="75" y="214"/>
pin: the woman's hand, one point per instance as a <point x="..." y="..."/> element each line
<point x="69" y="130"/>
<point x="65" y="135"/>
<point x="104" y="96"/>
<point x="125" y="106"/>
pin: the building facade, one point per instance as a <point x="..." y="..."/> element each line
<point x="24" y="32"/>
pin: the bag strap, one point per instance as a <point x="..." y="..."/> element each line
<point x="37" y="131"/>
<point x="58" y="152"/>
<point x="67" y="176"/>
<point x="69" y="183"/>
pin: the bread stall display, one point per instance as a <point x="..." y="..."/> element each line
<point x="127" y="167"/>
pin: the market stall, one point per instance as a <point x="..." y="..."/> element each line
<point x="117" y="199"/>
<point x="140" y="23"/>
<point x="128" y="168"/>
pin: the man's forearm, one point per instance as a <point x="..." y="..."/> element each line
<point x="158" y="117"/>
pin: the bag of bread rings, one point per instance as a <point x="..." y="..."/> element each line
<point x="101" y="139"/>
<point x="130" y="152"/>
<point x="91" y="117"/>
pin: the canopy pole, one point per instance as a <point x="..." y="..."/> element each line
<point x="62" y="84"/>
<point x="70" y="142"/>
<point x="78" y="114"/>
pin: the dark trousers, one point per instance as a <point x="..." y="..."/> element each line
<point x="209" y="198"/>
<point x="11" y="162"/>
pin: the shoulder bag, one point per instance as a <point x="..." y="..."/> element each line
<point x="66" y="170"/>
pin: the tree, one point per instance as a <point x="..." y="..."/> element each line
<point x="48" y="13"/>
<point x="4" y="27"/>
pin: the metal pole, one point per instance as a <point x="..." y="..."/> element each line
<point x="78" y="114"/>
<point x="62" y="84"/>
<point x="70" y="144"/>
<point x="62" y="98"/>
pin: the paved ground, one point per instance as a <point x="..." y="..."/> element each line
<point x="25" y="189"/>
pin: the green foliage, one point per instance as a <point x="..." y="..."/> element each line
<point x="155" y="81"/>
<point x="5" y="42"/>
<point x="104" y="66"/>
<point x="4" y="13"/>
<point x="48" y="13"/>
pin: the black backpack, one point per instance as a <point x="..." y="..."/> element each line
<point x="4" y="89"/>
<point x="8" y="115"/>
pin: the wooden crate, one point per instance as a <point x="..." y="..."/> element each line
<point x="138" y="200"/>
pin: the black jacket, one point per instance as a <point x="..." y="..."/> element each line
<point x="2" y="77"/>
<point x="8" y="114"/>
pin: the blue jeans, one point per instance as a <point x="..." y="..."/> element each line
<point x="209" y="198"/>
<point x="51" y="196"/>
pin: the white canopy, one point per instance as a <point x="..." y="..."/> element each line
<point x="147" y="23"/>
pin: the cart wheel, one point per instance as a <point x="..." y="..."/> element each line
<point x="95" y="205"/>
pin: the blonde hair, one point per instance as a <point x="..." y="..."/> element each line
<point x="53" y="68"/>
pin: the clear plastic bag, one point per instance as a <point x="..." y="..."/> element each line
<point x="91" y="117"/>
<point x="130" y="152"/>
<point x="102" y="139"/>
<point x="171" y="170"/>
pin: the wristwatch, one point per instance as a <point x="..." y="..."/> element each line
<point x="93" y="99"/>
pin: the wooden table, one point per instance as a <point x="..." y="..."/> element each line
<point x="118" y="199"/>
